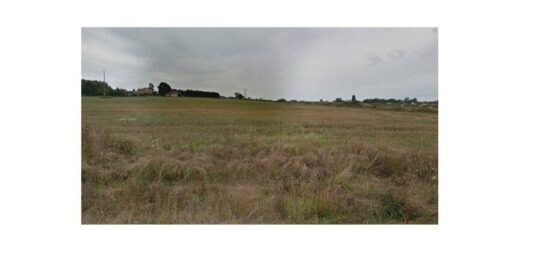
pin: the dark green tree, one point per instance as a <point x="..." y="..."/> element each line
<point x="120" y="92"/>
<point x="239" y="96"/>
<point x="197" y="93"/>
<point x="164" y="89"/>
<point x="95" y="88"/>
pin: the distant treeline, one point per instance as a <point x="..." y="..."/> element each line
<point x="392" y="100"/>
<point x="197" y="93"/>
<point x="99" y="88"/>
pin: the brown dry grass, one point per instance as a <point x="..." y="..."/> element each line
<point x="192" y="160"/>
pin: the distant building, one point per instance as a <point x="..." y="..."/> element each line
<point x="173" y="93"/>
<point x="142" y="92"/>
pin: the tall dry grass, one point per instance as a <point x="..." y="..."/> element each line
<point x="190" y="160"/>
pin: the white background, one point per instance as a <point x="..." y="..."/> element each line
<point x="493" y="91"/>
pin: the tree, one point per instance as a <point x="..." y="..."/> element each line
<point x="151" y="86"/>
<point x="197" y="93"/>
<point x="164" y="89"/>
<point x="239" y="96"/>
<point x="353" y="99"/>
<point x="95" y="88"/>
<point x="338" y="100"/>
<point x="120" y="92"/>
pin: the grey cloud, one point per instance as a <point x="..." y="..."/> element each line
<point x="373" y="60"/>
<point x="429" y="50"/>
<point x="292" y="63"/>
<point x="396" y="54"/>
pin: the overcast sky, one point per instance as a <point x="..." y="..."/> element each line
<point x="291" y="63"/>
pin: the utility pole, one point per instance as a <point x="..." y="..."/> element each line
<point x="104" y="88"/>
<point x="244" y="90"/>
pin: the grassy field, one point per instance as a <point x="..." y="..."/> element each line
<point x="197" y="160"/>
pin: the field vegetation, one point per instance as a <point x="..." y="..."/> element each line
<point x="201" y="160"/>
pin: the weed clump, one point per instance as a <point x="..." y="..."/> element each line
<point x="121" y="145"/>
<point x="146" y="175"/>
<point x="396" y="208"/>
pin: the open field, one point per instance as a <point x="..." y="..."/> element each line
<point x="198" y="160"/>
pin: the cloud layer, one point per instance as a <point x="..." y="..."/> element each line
<point x="292" y="63"/>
